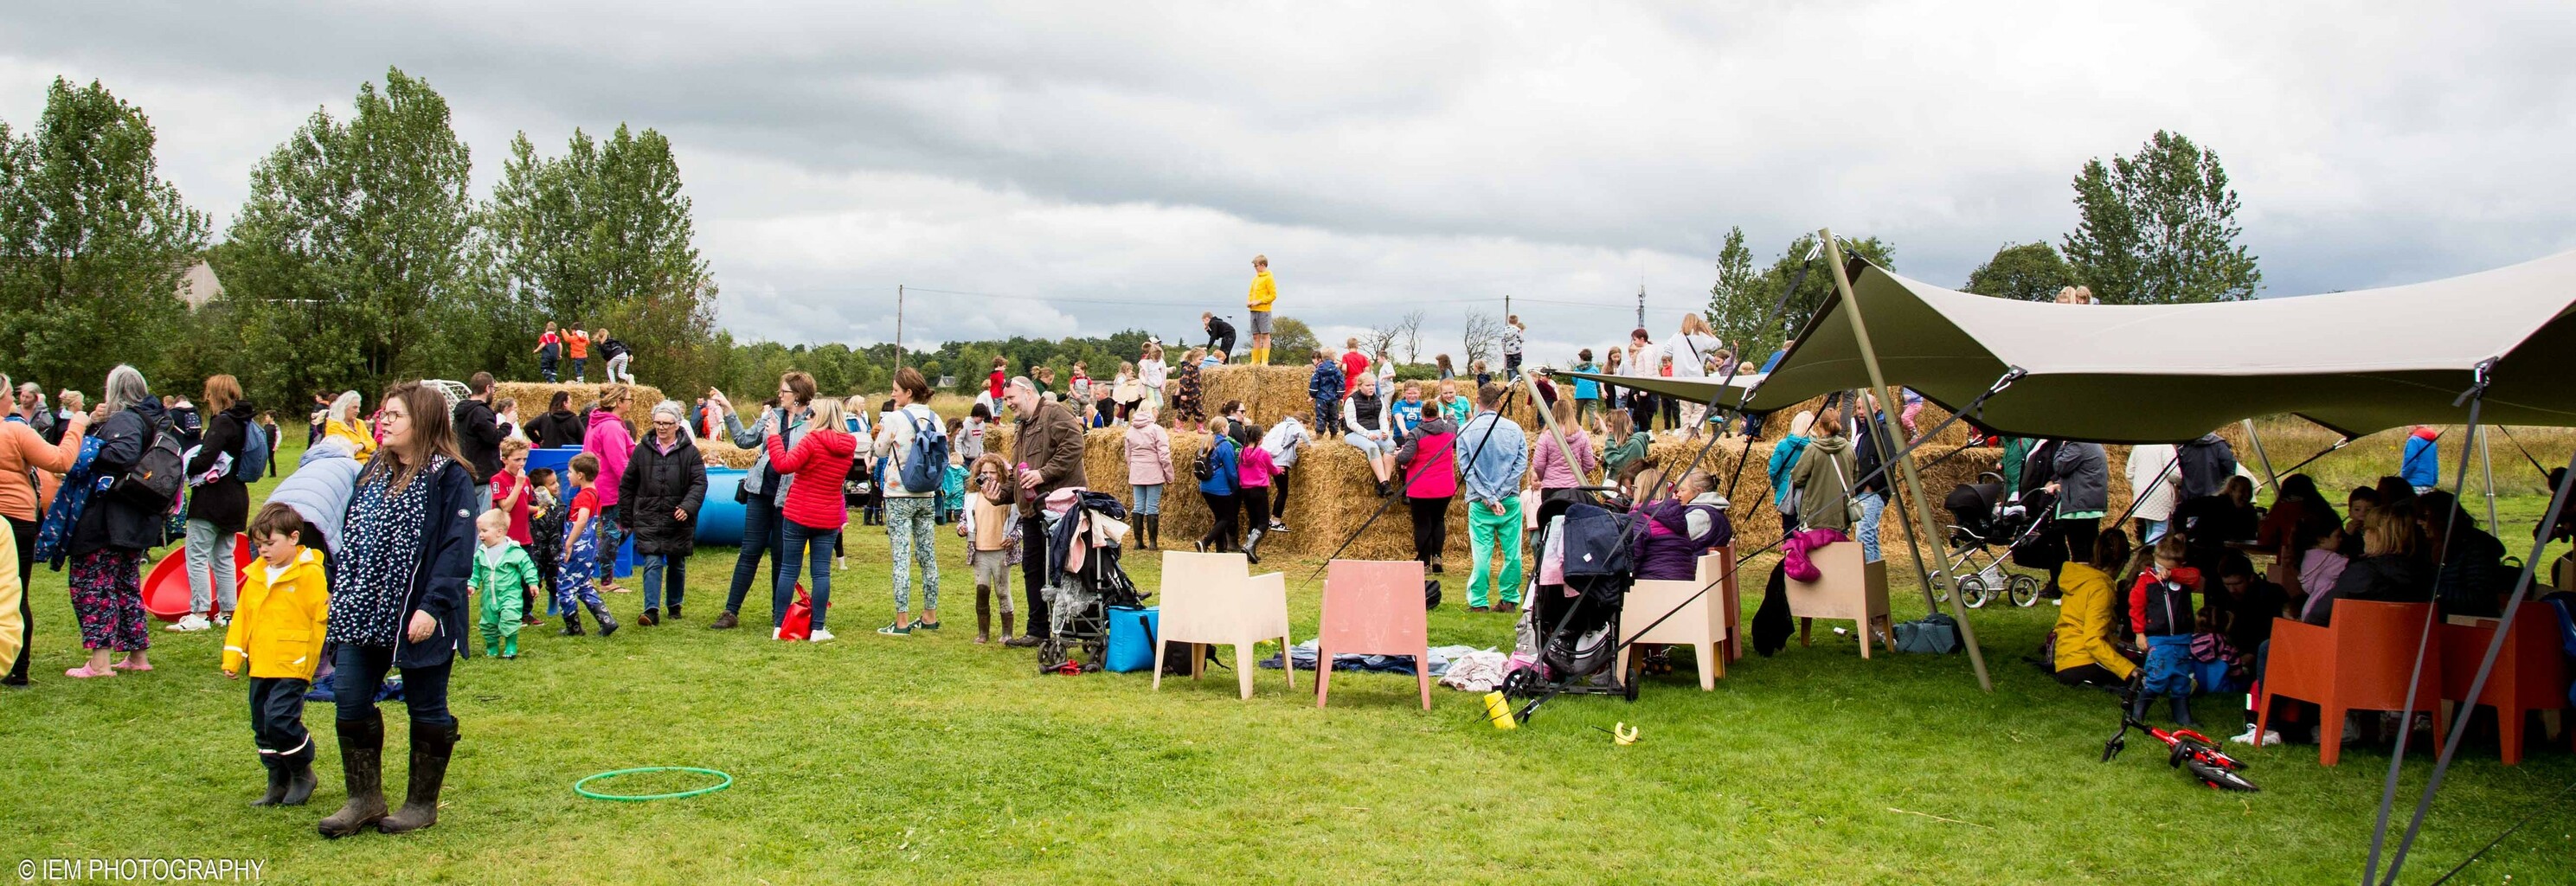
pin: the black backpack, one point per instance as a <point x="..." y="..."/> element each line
<point x="1204" y="466"/>
<point x="158" y="473"/>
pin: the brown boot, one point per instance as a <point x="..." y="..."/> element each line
<point x="431" y="743"/>
<point x="983" y="614"/>
<point x="1007" y="629"/>
<point x="362" y="747"/>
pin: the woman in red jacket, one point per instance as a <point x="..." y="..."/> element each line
<point x="813" y="511"/>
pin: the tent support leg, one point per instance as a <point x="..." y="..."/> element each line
<point x="1922" y="509"/>
<point x="1882" y="439"/>
<point x="2486" y="465"/>
<point x="2262" y="458"/>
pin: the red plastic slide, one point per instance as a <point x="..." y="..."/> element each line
<point x="165" y="589"/>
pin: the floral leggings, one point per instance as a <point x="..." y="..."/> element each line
<point x="107" y="593"/>
<point x="908" y="522"/>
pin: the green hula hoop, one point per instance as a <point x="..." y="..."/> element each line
<point x="578" y="789"/>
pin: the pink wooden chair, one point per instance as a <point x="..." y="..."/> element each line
<point x="1208" y="600"/>
<point x="1848" y="589"/>
<point x="1373" y="607"/>
<point x="1698" y="620"/>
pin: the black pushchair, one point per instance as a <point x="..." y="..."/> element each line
<point x="1984" y="516"/>
<point x="1577" y="634"/>
<point x="1085" y="532"/>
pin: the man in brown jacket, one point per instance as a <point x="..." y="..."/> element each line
<point x="1046" y="453"/>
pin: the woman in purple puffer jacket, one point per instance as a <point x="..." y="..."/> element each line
<point x="1677" y="530"/>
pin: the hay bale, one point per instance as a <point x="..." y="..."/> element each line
<point x="533" y="397"/>
<point x="721" y="453"/>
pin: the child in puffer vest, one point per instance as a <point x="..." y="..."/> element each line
<point x="2160" y="608"/>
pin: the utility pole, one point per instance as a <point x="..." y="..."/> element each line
<point x="1507" y="306"/>
<point x="898" y="327"/>
<point x="1641" y="304"/>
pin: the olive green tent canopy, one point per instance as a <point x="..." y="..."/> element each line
<point x="2355" y="362"/>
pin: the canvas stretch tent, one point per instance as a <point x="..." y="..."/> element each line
<point x="2355" y="362"/>
<point x="2484" y="348"/>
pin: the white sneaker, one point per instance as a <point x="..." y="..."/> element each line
<point x="820" y="636"/>
<point x="189" y="623"/>
<point x="2270" y="736"/>
<point x="224" y="621"/>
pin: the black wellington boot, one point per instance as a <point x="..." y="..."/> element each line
<point x="276" y="782"/>
<point x="430" y="745"/>
<point x="572" y="623"/>
<point x="300" y="781"/>
<point x="362" y="748"/>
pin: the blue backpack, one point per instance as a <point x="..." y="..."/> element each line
<point x="254" y="456"/>
<point x="926" y="463"/>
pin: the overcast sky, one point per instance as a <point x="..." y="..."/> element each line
<point x="1092" y="167"/>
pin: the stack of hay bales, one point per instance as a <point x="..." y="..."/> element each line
<point x="721" y="453"/>
<point x="533" y="397"/>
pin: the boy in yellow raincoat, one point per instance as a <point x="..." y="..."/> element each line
<point x="277" y="634"/>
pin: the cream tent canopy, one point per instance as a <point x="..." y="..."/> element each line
<point x="2355" y="362"/>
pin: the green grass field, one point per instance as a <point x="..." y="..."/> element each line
<point x="930" y="759"/>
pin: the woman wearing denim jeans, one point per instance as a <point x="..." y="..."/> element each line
<point x="763" y="490"/>
<point x="665" y="484"/>
<point x="813" y="509"/>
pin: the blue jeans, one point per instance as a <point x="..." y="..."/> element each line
<point x="816" y="546"/>
<point x="577" y="363"/>
<point x="611" y="540"/>
<point x="360" y="669"/>
<point x="1149" y="498"/>
<point x="1871" y="506"/>
<point x="659" y="567"/>
<point x="761" y="527"/>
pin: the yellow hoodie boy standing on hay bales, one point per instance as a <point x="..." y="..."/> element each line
<point x="1264" y="292"/>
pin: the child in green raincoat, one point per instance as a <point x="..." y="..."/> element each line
<point x="502" y="573"/>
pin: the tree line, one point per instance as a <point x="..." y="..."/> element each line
<point x="2158" y="227"/>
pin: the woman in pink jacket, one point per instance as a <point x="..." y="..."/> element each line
<point x="610" y="440"/>
<point x="1548" y="462"/>
<point x="1149" y="466"/>
<point x="1429" y="466"/>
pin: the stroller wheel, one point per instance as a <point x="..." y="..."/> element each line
<point x="2024" y="590"/>
<point x="1636" y="674"/>
<point x="1517" y="684"/>
<point x="1973" y="591"/>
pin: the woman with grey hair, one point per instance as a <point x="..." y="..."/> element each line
<point x="115" y="529"/>
<point x="659" y="494"/>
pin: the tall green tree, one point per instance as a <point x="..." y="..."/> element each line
<point x="92" y="242"/>
<point x="2160" y="228"/>
<point x="1738" y="300"/>
<point x="1743" y="297"/>
<point x="2022" y="271"/>
<point x="602" y="237"/>
<point x="354" y="251"/>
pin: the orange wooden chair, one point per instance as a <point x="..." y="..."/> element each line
<point x="1697" y="620"/>
<point x="2359" y="664"/>
<point x="2530" y="674"/>
<point x="1373" y="607"/>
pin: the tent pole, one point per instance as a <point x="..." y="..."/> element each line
<point x="1879" y="439"/>
<point x="2486" y="464"/>
<point x="1922" y="509"/>
<point x="2262" y="458"/>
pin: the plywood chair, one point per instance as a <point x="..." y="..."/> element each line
<point x="2530" y="674"/>
<point x="1208" y="600"/>
<point x="1697" y="620"/>
<point x="2360" y="663"/>
<point x="1848" y="589"/>
<point x="1373" y="607"/>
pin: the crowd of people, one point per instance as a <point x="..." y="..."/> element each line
<point x="402" y="531"/>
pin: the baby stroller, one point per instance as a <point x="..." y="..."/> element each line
<point x="1084" y="534"/>
<point x="1987" y="517"/>
<point x="1577" y="636"/>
